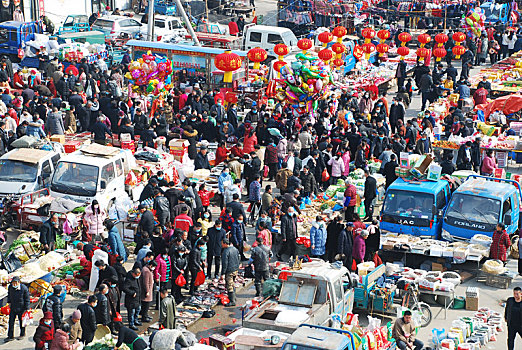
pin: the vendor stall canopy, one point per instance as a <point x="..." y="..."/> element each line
<point x="506" y="104"/>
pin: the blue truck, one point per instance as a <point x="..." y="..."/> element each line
<point x="478" y="205"/>
<point x="312" y="337"/>
<point x="415" y="207"/>
<point x="496" y="12"/>
<point x="14" y="35"/>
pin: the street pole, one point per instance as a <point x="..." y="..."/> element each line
<point x="150" y="22"/>
<point x="187" y="22"/>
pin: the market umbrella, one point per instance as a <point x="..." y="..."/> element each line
<point x="507" y="104"/>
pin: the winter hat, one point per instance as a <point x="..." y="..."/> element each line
<point x="48" y="315"/>
<point x="76" y="315"/>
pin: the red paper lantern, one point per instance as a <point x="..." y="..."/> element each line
<point x="305" y="44"/>
<point x="424" y="39"/>
<point x="368" y="48"/>
<point x="383" y="34"/>
<point x="339" y="31"/>
<point x="228" y="62"/>
<point x="338" y="48"/>
<point x="422" y="52"/>
<point x="441" y="38"/>
<point x="403" y="51"/>
<point x="439" y="52"/>
<point x="368" y="33"/>
<point x="338" y="62"/>
<point x="278" y="65"/>
<point x="382" y="49"/>
<point x="458" y="51"/>
<point x="281" y="50"/>
<point x="325" y="38"/>
<point x="459" y="37"/>
<point x="257" y="55"/>
<point x="404" y="37"/>
<point x="325" y="55"/>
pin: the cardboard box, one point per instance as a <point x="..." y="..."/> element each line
<point x="437" y="267"/>
<point x="472" y="304"/>
<point x="58" y="138"/>
<point x="72" y="146"/>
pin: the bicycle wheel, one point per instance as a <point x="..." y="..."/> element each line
<point x="426" y="314"/>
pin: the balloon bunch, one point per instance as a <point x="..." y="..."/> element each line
<point x="474" y="22"/>
<point x="304" y="82"/>
<point x="150" y="74"/>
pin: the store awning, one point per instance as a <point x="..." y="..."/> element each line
<point x="506" y="104"/>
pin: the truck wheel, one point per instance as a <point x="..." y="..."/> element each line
<point x="425" y="310"/>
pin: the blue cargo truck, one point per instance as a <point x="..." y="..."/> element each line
<point x="478" y="205"/>
<point x="415" y="207"/>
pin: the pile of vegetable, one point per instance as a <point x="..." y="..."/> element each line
<point x="69" y="270"/>
<point x="108" y="342"/>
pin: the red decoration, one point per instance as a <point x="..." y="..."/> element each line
<point x="338" y="62"/>
<point x="228" y="62"/>
<point x="459" y="37"/>
<point x="357" y="51"/>
<point x="325" y="55"/>
<point x="338" y="48"/>
<point x="439" y="52"/>
<point x="404" y="37"/>
<point x="230" y="97"/>
<point x="257" y="55"/>
<point x="424" y="39"/>
<point x="458" y="51"/>
<point x="278" y="65"/>
<point x="325" y="38"/>
<point x="305" y="44"/>
<point x="383" y="34"/>
<point x="368" y="48"/>
<point x="382" y="49"/>
<point x="422" y="52"/>
<point x="441" y="38"/>
<point x="281" y="50"/>
<point x="368" y="33"/>
<point x="403" y="51"/>
<point x="339" y="31"/>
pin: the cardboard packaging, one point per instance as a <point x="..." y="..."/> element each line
<point x="58" y="138"/>
<point x="472" y="304"/>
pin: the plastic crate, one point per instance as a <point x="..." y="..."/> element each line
<point x="498" y="281"/>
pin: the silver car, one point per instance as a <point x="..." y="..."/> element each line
<point x="119" y="27"/>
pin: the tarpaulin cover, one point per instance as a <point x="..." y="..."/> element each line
<point x="506" y="104"/>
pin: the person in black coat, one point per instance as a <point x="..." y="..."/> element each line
<point x="48" y="232"/>
<point x="288" y="233"/>
<point x="129" y="337"/>
<point x="346" y="245"/>
<point x="106" y="272"/>
<point x="88" y="320"/>
<point x="102" y="311"/>
<point x="370" y="192"/>
<point x="18" y="299"/>
<point x="237" y="208"/>
<point x="195" y="264"/>
<point x="451" y="73"/>
<point x="201" y="161"/>
<point x="216" y="235"/>
<point x="333" y="231"/>
<point x="179" y="266"/>
<point x="389" y="170"/>
<point x="146" y="223"/>
<point x="464" y="157"/>
<point x="132" y="290"/>
<point x="148" y="190"/>
<point x="397" y="111"/>
<point x="54" y="304"/>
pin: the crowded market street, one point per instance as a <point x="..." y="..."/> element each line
<point x="255" y="174"/>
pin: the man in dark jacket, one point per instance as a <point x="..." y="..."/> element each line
<point x="146" y="223"/>
<point x="423" y="145"/>
<point x="195" y="264"/>
<point x="132" y="289"/>
<point x="426" y="86"/>
<point x="288" y="233"/>
<point x="148" y="190"/>
<point x="346" y="245"/>
<point x="237" y="208"/>
<point x="48" y="232"/>
<point x="389" y="170"/>
<point x="513" y="316"/>
<point x="216" y="235"/>
<point x="107" y="273"/>
<point x="88" y="320"/>
<point x="308" y="182"/>
<point x="397" y="111"/>
<point x="260" y="256"/>
<point x="162" y="208"/>
<point x="230" y="267"/>
<point x="99" y="130"/>
<point x="101" y="310"/>
<point x="370" y="192"/>
<point x="451" y="72"/>
<point x="237" y="234"/>
<point x="18" y="299"/>
<point x="464" y="157"/>
<point x="54" y="304"/>
<point x="201" y="161"/>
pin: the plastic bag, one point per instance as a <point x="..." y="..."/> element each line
<point x="27" y="319"/>
<point x="325" y="176"/>
<point x="265" y="171"/>
<point x="180" y="280"/>
<point x="200" y="279"/>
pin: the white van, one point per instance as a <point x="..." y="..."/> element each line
<point x="93" y="172"/>
<point x="267" y="37"/>
<point x="26" y="170"/>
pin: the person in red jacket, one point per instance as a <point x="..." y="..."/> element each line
<point x="44" y="334"/>
<point x="350" y="200"/>
<point x="205" y="195"/>
<point x="221" y="153"/>
<point x="18" y="81"/>
<point x="500" y="244"/>
<point x="183" y="221"/>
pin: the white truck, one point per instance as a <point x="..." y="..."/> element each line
<point x="94" y="172"/>
<point x="267" y="37"/>
<point x="168" y="28"/>
<point x="308" y="295"/>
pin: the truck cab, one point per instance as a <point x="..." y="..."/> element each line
<point x="310" y="294"/>
<point x="167" y="28"/>
<point x="478" y="205"/>
<point x="14" y="35"/>
<point x="74" y="24"/>
<point x="267" y="37"/>
<point x="26" y="170"/>
<point x="415" y="207"/>
<point x="496" y="12"/>
<point x="308" y="337"/>
<point x="93" y="172"/>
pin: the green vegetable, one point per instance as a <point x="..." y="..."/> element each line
<point x="60" y="242"/>
<point x="16" y="243"/>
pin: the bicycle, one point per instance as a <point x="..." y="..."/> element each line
<point x="411" y="301"/>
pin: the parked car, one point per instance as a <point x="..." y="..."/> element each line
<point x="119" y="27"/>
